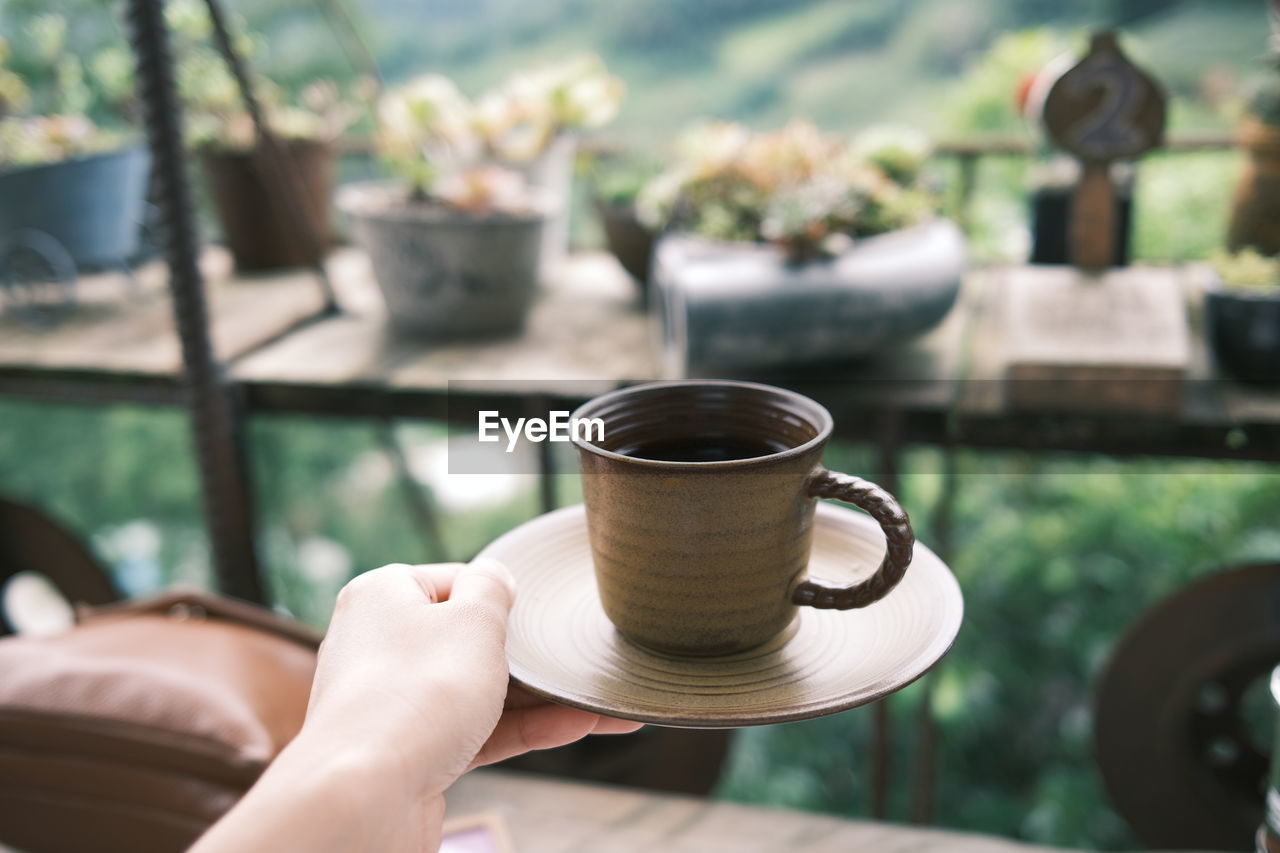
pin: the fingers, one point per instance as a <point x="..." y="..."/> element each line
<point x="481" y="580"/>
<point x="436" y="580"/>
<point x="543" y="727"/>
<point x="399" y="583"/>
<point x="518" y="698"/>
<point x="611" y="726"/>
<point x="484" y="583"/>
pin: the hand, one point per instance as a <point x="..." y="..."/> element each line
<point x="411" y="691"/>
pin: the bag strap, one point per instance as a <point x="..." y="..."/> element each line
<point x="197" y="604"/>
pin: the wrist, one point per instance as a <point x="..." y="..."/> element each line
<point x="312" y="799"/>
<point x="354" y="776"/>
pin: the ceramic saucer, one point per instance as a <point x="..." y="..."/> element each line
<point x="562" y="646"/>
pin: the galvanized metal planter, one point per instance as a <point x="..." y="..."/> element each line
<point x="743" y="304"/>
<point x="446" y="273"/>
<point x="92" y="206"/>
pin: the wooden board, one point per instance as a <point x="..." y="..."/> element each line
<point x="585" y="326"/>
<point x="126" y="328"/>
<point x="557" y="817"/>
<point x="1117" y="340"/>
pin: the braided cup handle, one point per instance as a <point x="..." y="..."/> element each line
<point x="900" y="542"/>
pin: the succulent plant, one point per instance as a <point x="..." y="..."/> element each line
<point x="66" y="131"/>
<point x="1264" y="103"/>
<point x="211" y="96"/>
<point x="1247" y="269"/>
<point x="810" y="192"/>
<point x="448" y="148"/>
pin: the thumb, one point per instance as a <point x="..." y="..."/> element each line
<point x="485" y="582"/>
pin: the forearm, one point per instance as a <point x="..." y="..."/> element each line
<point x="317" y="800"/>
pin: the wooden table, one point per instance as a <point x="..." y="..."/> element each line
<point x="585" y="335"/>
<point x="118" y="343"/>
<point x="562" y="817"/>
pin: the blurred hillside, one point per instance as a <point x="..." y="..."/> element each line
<point x="841" y="63"/>
<point x="762" y="61"/>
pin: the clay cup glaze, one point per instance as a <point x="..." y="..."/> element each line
<point x="711" y="557"/>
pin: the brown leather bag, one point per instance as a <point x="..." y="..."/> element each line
<point x="139" y="727"/>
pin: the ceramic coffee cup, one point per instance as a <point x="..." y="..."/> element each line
<point x="700" y="503"/>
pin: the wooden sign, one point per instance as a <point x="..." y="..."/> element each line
<point x="1103" y="109"/>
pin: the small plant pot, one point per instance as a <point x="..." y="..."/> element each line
<point x="1244" y="331"/>
<point x="446" y="273"/>
<point x="92" y="206"/>
<point x="630" y="241"/>
<point x="747" y="305"/>
<point x="1255" y="215"/>
<point x="263" y="230"/>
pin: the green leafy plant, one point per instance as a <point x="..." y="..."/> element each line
<point x="217" y="117"/>
<point x="14" y="94"/>
<point x="1265" y="101"/>
<point x="989" y="97"/>
<point x="447" y="148"/>
<point x="65" y="131"/>
<point x="811" y="193"/>
<point x="1247" y="269"/>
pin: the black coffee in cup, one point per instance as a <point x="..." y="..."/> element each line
<point x="711" y="448"/>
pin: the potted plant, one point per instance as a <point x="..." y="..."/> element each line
<point x="797" y="246"/>
<point x="71" y="192"/>
<point x="1242" y="313"/>
<point x="456" y="241"/>
<point x="530" y="123"/>
<point x="263" y="228"/>
<point x="1255" y="219"/>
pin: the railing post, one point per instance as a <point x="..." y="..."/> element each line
<point x="881" y="746"/>
<point x="968" y="164"/>
<point x="925" y="770"/>
<point x="211" y="401"/>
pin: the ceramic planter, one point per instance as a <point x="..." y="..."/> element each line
<point x="446" y="273"/>
<point x="743" y="304"/>
<point x="92" y="206"/>
<point x="630" y="241"/>
<point x="1255" y="217"/>
<point x="261" y="228"/>
<point x="1244" y="329"/>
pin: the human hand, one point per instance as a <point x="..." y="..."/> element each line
<point x="411" y="690"/>
<point x="428" y="643"/>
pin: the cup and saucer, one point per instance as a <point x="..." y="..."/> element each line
<point x="677" y="594"/>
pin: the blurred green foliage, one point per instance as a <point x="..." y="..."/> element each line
<point x="1056" y="556"/>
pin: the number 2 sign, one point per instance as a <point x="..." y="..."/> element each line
<point x="1103" y="109"/>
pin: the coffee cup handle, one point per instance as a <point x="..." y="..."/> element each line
<point x="900" y="542"/>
